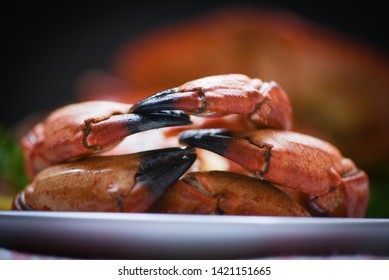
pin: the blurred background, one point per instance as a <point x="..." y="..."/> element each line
<point x="47" y="47"/>
<point x="331" y="57"/>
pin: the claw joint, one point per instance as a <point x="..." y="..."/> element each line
<point x="266" y="155"/>
<point x="87" y="131"/>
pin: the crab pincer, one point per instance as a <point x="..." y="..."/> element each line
<point x="335" y="186"/>
<point x="124" y="183"/>
<point x="264" y="104"/>
<point x="81" y="129"/>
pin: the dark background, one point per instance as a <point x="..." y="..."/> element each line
<point x="45" y="47"/>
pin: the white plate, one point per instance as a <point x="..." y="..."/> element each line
<point x="161" y="236"/>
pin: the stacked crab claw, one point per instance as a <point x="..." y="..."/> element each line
<point x="265" y="168"/>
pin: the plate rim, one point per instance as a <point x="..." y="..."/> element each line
<point x="296" y="234"/>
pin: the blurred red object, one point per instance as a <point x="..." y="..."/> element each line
<point x="339" y="87"/>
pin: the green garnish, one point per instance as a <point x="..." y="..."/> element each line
<point x="379" y="193"/>
<point x="11" y="162"/>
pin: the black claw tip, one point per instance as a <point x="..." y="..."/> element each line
<point x="161" y="168"/>
<point x="215" y="140"/>
<point x="158" y="102"/>
<point x="143" y="122"/>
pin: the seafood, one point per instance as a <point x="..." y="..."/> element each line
<point x="84" y="128"/>
<point x="226" y="193"/>
<point x="291" y="160"/>
<point x="263" y="104"/>
<point x="285" y="173"/>
<point x="123" y="183"/>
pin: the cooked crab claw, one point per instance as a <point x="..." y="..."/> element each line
<point x="104" y="133"/>
<point x="226" y="193"/>
<point x="84" y="128"/>
<point x="292" y="160"/>
<point x="125" y="183"/>
<point x="264" y="104"/>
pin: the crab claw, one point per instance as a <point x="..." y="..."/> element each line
<point x="84" y="128"/>
<point x="264" y="104"/>
<point x="291" y="160"/>
<point x="105" y="133"/>
<point x="125" y="183"/>
<point x="226" y="193"/>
